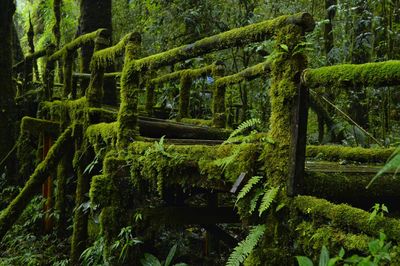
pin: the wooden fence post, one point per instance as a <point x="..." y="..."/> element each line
<point x="48" y="78"/>
<point x="218" y="105"/>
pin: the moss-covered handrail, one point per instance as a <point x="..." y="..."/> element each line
<point x="247" y="74"/>
<point x="359" y="154"/>
<point x="193" y="73"/>
<point x="29" y="57"/>
<point x="346" y="216"/>
<point x="106" y="57"/>
<point x="232" y="38"/>
<point x="371" y="74"/>
<point x="74" y="45"/>
<point x="10" y="215"/>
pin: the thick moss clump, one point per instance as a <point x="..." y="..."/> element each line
<point x="195" y="165"/>
<point x="345" y="216"/>
<point x="246" y="74"/>
<point x="102" y="135"/>
<point x="358" y="154"/>
<point x="370" y="74"/>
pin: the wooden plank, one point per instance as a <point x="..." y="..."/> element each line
<point x="238" y="182"/>
<point x="335" y="167"/>
<point x="297" y="154"/>
<point x="191" y="215"/>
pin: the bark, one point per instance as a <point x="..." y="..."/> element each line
<point x="7" y="90"/>
<point x="96" y="14"/>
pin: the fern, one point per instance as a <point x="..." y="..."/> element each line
<point x="392" y="164"/>
<point x="267" y="199"/>
<point x="241" y="128"/>
<point x="254" y="200"/>
<point x="224" y="162"/>
<point x="249" y="185"/>
<point x="246" y="246"/>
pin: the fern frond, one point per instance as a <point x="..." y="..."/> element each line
<point x="246" y="246"/>
<point x="242" y="127"/>
<point x="225" y="161"/>
<point x="254" y="200"/>
<point x="267" y="199"/>
<point x="392" y="164"/>
<point x="249" y="185"/>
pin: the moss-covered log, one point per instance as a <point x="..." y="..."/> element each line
<point x="156" y="128"/>
<point x="351" y="188"/>
<point x="358" y="154"/>
<point x="345" y="216"/>
<point x="10" y="215"/>
<point x="193" y="73"/>
<point x="370" y="74"/>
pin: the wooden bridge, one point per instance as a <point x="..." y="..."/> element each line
<point x="113" y="150"/>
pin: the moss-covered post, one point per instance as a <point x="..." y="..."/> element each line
<point x="94" y="92"/>
<point x="184" y="94"/>
<point x="150" y="94"/>
<point x="48" y="78"/>
<point x="130" y="87"/>
<point x="218" y="106"/>
<point x="286" y="97"/>
<point x="68" y="60"/>
<point x="82" y="157"/>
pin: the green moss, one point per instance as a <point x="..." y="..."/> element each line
<point x="192" y="73"/>
<point x="371" y="74"/>
<point x="236" y="37"/>
<point x="75" y="44"/>
<point x="10" y="215"/>
<point x="102" y="135"/>
<point x="184" y="95"/>
<point x="218" y="104"/>
<point x="358" y="154"/>
<point x="36" y="126"/>
<point x="246" y="74"/>
<point x="128" y="116"/>
<point x="311" y="237"/>
<point x="106" y="57"/>
<point x="190" y="165"/>
<point x="345" y="216"/>
<point x="101" y="191"/>
<point x="198" y="122"/>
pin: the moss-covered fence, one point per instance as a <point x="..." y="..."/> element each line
<point x="112" y="154"/>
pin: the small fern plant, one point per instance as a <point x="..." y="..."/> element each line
<point x="253" y="195"/>
<point x="393" y="164"/>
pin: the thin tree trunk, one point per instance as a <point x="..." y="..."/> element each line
<point x="7" y="90"/>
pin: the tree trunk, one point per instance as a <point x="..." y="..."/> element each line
<point x="7" y="90"/>
<point x="96" y="14"/>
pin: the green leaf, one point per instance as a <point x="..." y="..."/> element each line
<point x="267" y="199"/>
<point x="170" y="256"/>
<point x="304" y="261"/>
<point x="324" y="257"/>
<point x="246" y="246"/>
<point x="246" y="189"/>
<point x="284" y="47"/>
<point x="150" y="260"/>
<point x="392" y="164"/>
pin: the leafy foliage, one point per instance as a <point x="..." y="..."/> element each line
<point x="246" y="246"/>
<point x="151" y="260"/>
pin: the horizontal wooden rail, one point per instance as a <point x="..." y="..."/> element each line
<point x="370" y="74"/>
<point x="75" y="44"/>
<point x="35" y="55"/>
<point x="193" y="73"/>
<point x="236" y="37"/>
<point x="249" y="73"/>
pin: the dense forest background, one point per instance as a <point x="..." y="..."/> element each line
<point x="347" y="31"/>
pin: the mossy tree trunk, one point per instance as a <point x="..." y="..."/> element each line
<point x="7" y="90"/>
<point x="96" y="14"/>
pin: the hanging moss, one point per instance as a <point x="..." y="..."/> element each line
<point x="370" y="74"/>
<point x="358" y="154"/>
<point x="191" y="165"/>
